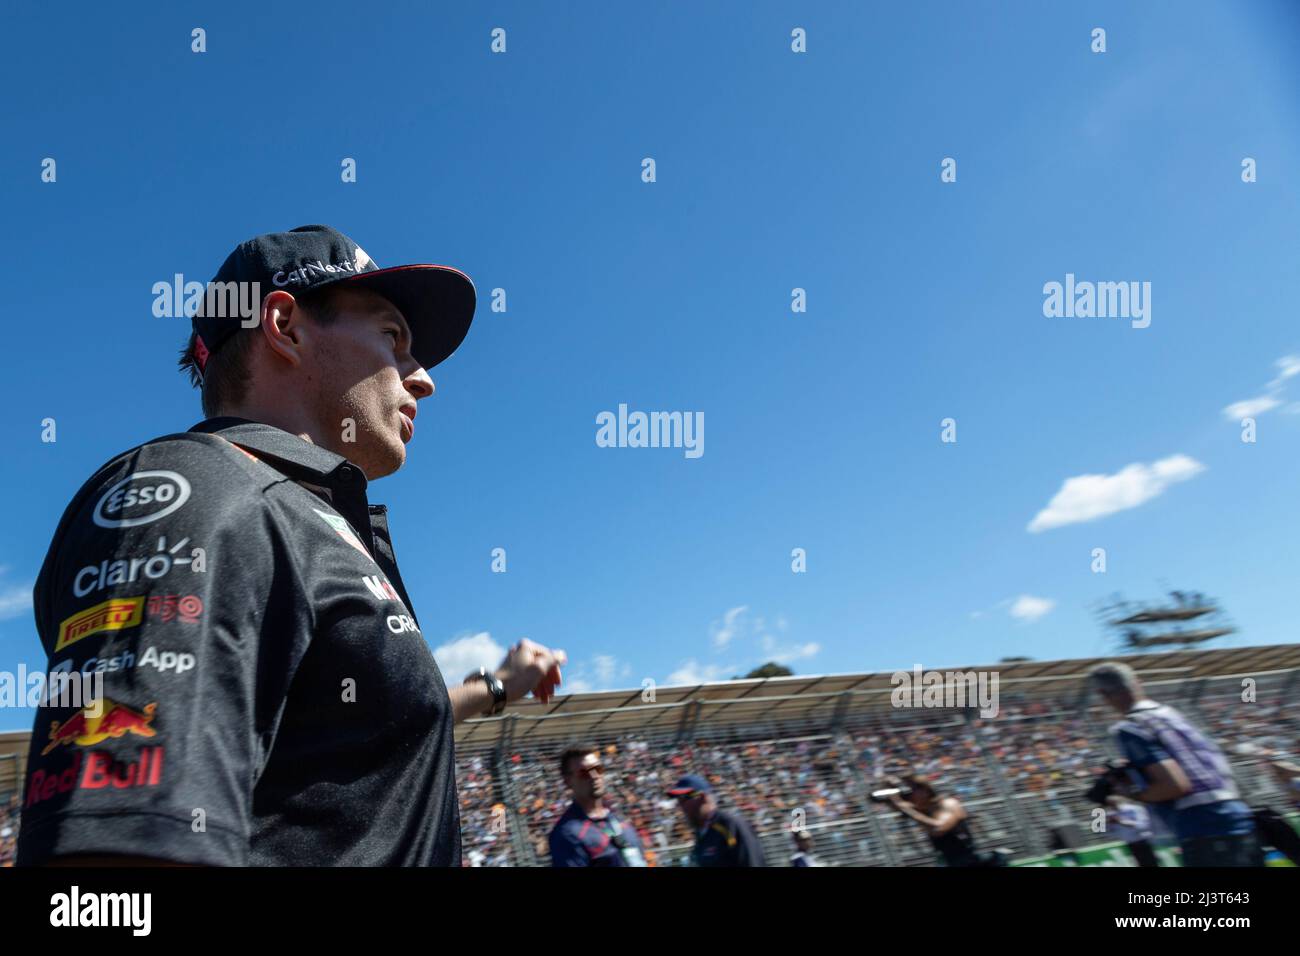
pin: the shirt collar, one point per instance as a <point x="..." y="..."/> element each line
<point x="302" y="456"/>
<point x="1145" y="704"/>
<point x="578" y="811"/>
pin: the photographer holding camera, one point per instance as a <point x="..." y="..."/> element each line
<point x="943" y="818"/>
<point x="1179" y="771"/>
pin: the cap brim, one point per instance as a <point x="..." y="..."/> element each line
<point x="680" y="791"/>
<point x="436" y="301"/>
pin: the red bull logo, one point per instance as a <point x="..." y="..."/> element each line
<point x="98" y="771"/>
<point x="111" y="615"/>
<point x="114" y="720"/>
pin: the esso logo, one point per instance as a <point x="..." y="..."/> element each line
<point x="141" y="498"/>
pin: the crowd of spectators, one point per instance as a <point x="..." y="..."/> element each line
<point x="1046" y="752"/>
<point x="803" y="777"/>
<point x="8" y="830"/>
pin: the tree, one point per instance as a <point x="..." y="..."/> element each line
<point x="770" y="669"/>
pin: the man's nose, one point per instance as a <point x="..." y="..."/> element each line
<point x="419" y="384"/>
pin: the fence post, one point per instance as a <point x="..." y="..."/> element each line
<point x="519" y="842"/>
<point x="860" y="786"/>
<point x="1004" y="789"/>
<point x="1288" y="689"/>
<point x="690" y="717"/>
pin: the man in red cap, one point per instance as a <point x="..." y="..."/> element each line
<point x="310" y="724"/>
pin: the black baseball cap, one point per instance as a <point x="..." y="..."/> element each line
<point x="436" y="301"/>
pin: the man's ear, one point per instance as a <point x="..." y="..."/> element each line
<point x="281" y="326"/>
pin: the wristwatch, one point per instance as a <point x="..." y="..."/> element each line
<point x="494" y="684"/>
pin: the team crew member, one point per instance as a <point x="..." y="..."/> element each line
<point x="268" y="695"/>
<point x="722" y="837"/>
<point x="1188" y="781"/>
<point x="591" y="833"/>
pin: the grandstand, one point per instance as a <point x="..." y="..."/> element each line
<point x="13" y="761"/>
<point x="809" y="750"/>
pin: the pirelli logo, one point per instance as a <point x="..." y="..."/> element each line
<point x="111" y="615"/>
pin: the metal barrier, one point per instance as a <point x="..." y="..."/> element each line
<point x="1019" y="774"/>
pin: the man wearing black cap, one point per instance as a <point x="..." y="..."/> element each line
<point x="722" y="837"/>
<point x="267" y="696"/>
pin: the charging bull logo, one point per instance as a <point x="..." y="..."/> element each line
<point x="114" y="720"/>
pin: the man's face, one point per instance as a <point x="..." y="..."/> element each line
<point x="365" y="383"/>
<point x="1116" y="700"/>
<point x="586" y="777"/>
<point x="693" y="806"/>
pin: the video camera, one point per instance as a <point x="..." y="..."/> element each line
<point x="1118" y="777"/>
<point x="895" y="788"/>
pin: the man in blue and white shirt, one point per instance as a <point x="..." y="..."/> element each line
<point x="1189" y="783"/>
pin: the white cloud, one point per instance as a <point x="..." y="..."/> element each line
<point x="1088" y="497"/>
<point x="1250" y="407"/>
<point x="692" y="672"/>
<point x="466" y="655"/>
<point x="600" y="672"/>
<point x="15" y="602"/>
<point x="1030" y="608"/>
<point x="724" y="632"/>
<point x="605" y="666"/>
<point x="787" y="655"/>
<point x="1288" y="367"/>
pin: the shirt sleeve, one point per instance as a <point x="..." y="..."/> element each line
<point x="566" y="848"/>
<point x="169" y="583"/>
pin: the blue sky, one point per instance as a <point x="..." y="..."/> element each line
<point x="774" y="171"/>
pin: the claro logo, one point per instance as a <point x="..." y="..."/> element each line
<point x="141" y="498"/>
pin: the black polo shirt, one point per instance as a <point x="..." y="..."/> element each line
<point x="270" y="699"/>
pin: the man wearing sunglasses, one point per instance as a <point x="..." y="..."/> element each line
<point x="591" y="833"/>
<point x="722" y="837"/>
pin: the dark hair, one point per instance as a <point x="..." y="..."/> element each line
<point x="224" y="382"/>
<point x="575" y="753"/>
<point x="918" y="782"/>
